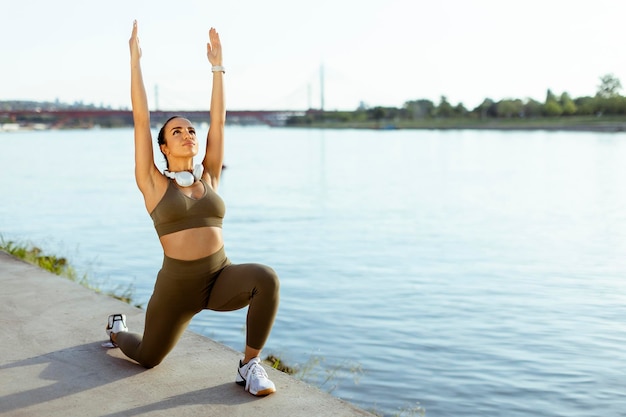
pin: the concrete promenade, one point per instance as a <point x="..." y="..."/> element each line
<point x="52" y="363"/>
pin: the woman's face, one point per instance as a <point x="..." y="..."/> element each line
<point x="180" y="139"/>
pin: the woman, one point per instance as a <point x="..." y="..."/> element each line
<point x="187" y="215"/>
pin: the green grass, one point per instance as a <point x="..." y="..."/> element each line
<point x="58" y="266"/>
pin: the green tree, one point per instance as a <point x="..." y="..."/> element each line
<point x="419" y="109"/>
<point x="587" y="106"/>
<point x="486" y="109"/>
<point x="552" y="108"/>
<point x="444" y="109"/>
<point x="533" y="108"/>
<point x="550" y="96"/>
<point x="567" y="104"/>
<point x="460" y="110"/>
<point x="509" y="108"/>
<point x="377" y="113"/>
<point x="609" y="86"/>
<point x="612" y="105"/>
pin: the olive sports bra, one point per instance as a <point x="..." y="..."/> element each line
<point x="176" y="211"/>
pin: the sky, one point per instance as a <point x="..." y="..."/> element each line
<point x="276" y="52"/>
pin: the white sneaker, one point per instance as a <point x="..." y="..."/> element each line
<point x="115" y="324"/>
<point x="254" y="378"/>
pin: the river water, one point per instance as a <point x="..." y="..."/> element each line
<point x="454" y="273"/>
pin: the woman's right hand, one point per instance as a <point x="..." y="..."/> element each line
<point x="135" y="49"/>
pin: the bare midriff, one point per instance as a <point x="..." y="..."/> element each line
<point x="191" y="244"/>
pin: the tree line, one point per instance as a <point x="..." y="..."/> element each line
<point x="606" y="102"/>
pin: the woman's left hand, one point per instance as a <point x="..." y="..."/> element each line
<point x="214" y="48"/>
<point x="133" y="42"/>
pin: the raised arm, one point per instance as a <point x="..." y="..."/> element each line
<point x="145" y="169"/>
<point x="214" y="156"/>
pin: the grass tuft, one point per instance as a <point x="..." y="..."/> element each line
<point x="276" y="363"/>
<point x="58" y="266"/>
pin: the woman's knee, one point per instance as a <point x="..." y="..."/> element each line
<point x="151" y="359"/>
<point x="149" y="363"/>
<point x="268" y="279"/>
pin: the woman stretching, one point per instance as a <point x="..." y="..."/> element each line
<point x="187" y="214"/>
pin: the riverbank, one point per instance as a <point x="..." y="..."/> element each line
<point x="52" y="331"/>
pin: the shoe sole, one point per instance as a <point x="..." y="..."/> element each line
<point x="264" y="392"/>
<point x="261" y="393"/>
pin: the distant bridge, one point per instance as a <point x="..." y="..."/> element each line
<point x="104" y="117"/>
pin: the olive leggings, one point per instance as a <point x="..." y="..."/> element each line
<point x="184" y="288"/>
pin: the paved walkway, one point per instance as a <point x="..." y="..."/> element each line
<point x="52" y="362"/>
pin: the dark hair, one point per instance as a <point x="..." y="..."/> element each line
<point x="161" y="137"/>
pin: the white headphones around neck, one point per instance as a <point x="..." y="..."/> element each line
<point x="185" y="178"/>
